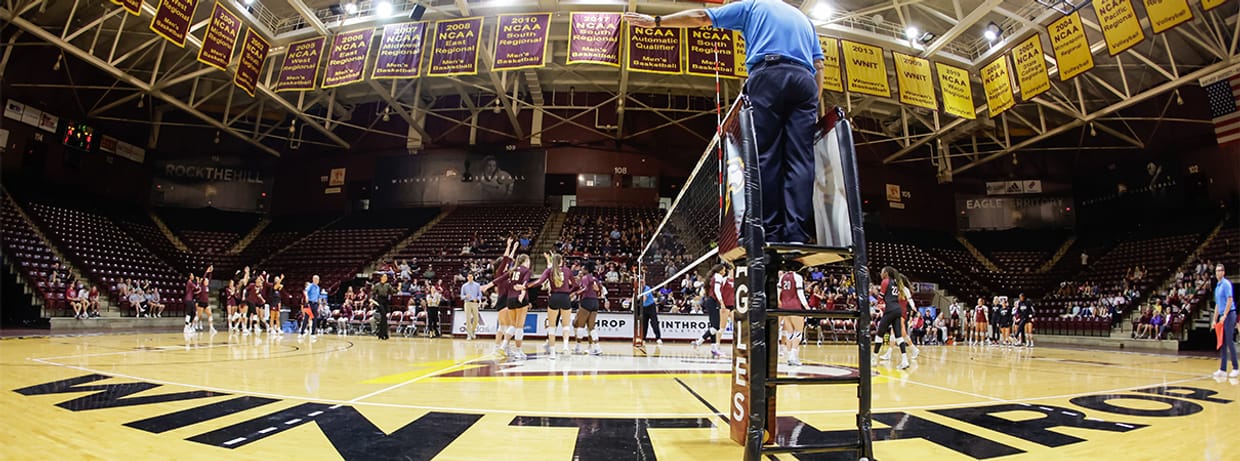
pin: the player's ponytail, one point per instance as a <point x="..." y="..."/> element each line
<point x="557" y="272"/>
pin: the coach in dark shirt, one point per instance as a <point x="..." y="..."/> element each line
<point x="382" y="294"/>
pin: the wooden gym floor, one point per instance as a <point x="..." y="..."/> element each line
<point x="165" y="396"/>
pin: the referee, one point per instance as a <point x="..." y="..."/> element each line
<point x="785" y="65"/>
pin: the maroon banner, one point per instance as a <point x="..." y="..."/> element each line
<point x="221" y="36"/>
<point x="594" y="38"/>
<point x="455" y="51"/>
<point x="301" y="65"/>
<point x="400" y="51"/>
<point x="134" y="7"/>
<point x="347" y="61"/>
<point x="253" y="52"/>
<point x="172" y="19"/>
<point x="521" y="41"/>
<point x="655" y="50"/>
<point x="709" y="51"/>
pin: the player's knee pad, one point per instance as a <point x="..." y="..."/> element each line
<point x="581" y="332"/>
<point x="713" y="330"/>
<point x="594" y="336"/>
<point x="900" y="340"/>
<point x="519" y="334"/>
<point x="878" y="340"/>
<point x="511" y="330"/>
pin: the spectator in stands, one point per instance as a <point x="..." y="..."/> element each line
<point x="92" y="301"/>
<point x="940" y="327"/>
<point x="138" y="302"/>
<point x="83" y="296"/>
<point x="1143" y="324"/>
<point x="122" y="288"/>
<point x="917" y="326"/>
<point x="612" y="276"/>
<point x="430" y="272"/>
<point x="155" y="303"/>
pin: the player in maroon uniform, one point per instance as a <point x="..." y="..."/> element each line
<point x="559" y="307"/>
<point x="588" y="292"/>
<point x="980" y="324"/>
<point x="230" y="303"/>
<point x="253" y="302"/>
<point x="792" y="296"/>
<point x="712" y="304"/>
<point x="891" y="291"/>
<point x="518" y="303"/>
<point x="202" y="296"/>
<point x="500" y="282"/>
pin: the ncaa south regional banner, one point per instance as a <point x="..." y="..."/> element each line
<point x="1206" y="5"/>
<point x="1031" y="68"/>
<point x="400" y="51"/>
<point x="830" y="64"/>
<point x="655" y="50"/>
<point x="521" y="41"/>
<point x="217" y="44"/>
<point x="998" y="86"/>
<point x="253" y="52"/>
<point x="1071" y="46"/>
<point x="710" y="51"/>
<point x="172" y="19"/>
<point x="594" y="38"/>
<point x="301" y="65"/>
<point x="455" y="49"/>
<point x="867" y="72"/>
<point x="347" y="61"/>
<point x="915" y="85"/>
<point x="1165" y="14"/>
<point x="1120" y="25"/>
<point x="134" y="7"/>
<point x="957" y="91"/>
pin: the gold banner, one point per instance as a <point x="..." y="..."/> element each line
<point x="957" y="91"/>
<point x="1165" y="14"/>
<point x="1207" y="5"/>
<point x="867" y="71"/>
<point x="1031" y="68"/>
<point x="740" y="69"/>
<point x="998" y="86"/>
<point x="1071" y="46"/>
<point x="831" y="64"/>
<point x="916" y="86"/>
<point x="1120" y="25"/>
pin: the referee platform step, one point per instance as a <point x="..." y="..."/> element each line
<point x="808" y="254"/>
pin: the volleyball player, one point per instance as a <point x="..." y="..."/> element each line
<point x="230" y="303"/>
<point x="792" y="296"/>
<point x="978" y="335"/>
<point x="559" y="307"/>
<point x="712" y="303"/>
<point x="273" y="308"/>
<point x="906" y="306"/>
<point x="518" y="304"/>
<point x="996" y="319"/>
<point x="891" y="289"/>
<point x="191" y="289"/>
<point x="253" y="301"/>
<point x="237" y="319"/>
<point x="1005" y="323"/>
<point x="307" y="312"/>
<point x="588" y="293"/>
<point x="203" y="295"/>
<point x="1025" y="327"/>
<point x="729" y="304"/>
<point x="499" y="281"/>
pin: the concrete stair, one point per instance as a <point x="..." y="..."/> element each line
<point x="168" y="234"/>
<point x="977" y="254"/>
<point x="241" y="245"/>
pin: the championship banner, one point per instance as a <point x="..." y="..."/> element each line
<point x="710" y="51"/>
<point x="301" y="65"/>
<point x="1165" y="14"/>
<point x="867" y="72"/>
<point x="253" y="52"/>
<point x="594" y="38"/>
<point x="654" y="50"/>
<point x="172" y="18"/>
<point x="998" y="86"/>
<point x="915" y="85"/>
<point x="217" y="44"/>
<point x="400" y="51"/>
<point x="1071" y="46"/>
<point x="957" y="91"/>
<point x="1120" y="25"/>
<point x="134" y="7"/>
<point x="741" y="69"/>
<point x="1031" y="68"/>
<point x="1207" y="5"/>
<point x="347" y="61"/>
<point x="521" y="41"/>
<point x="455" y="49"/>
<point x="830" y="64"/>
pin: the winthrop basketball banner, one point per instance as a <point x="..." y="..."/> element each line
<point x="400" y="51"/>
<point x="1031" y="68"/>
<point x="1165" y="14"/>
<point x="455" y="49"/>
<point x="654" y="50"/>
<point x="172" y="19"/>
<point x="134" y="7"/>
<point x="221" y="36"/>
<point x="1072" y="53"/>
<point x="594" y="38"/>
<point x="253" y="52"/>
<point x="830" y="64"/>
<point x="521" y="41"/>
<point x="1120" y="26"/>
<point x="957" y="91"/>
<point x="710" y="51"/>
<point x="916" y="86"/>
<point x="867" y="72"/>
<point x="998" y="86"/>
<point x="347" y="60"/>
<point x="301" y="65"/>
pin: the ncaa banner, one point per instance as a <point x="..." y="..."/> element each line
<point x="1165" y="14"/>
<point x="301" y="65"/>
<point x="867" y="71"/>
<point x="400" y="51"/>
<point x="221" y="36"/>
<point x="347" y="61"/>
<point x="709" y="52"/>
<point x="1072" y="53"/>
<point x="172" y="19"/>
<point x="609" y="325"/>
<point x="957" y="91"/>
<point x="740" y="69"/>
<point x="455" y="49"/>
<point x="998" y="86"/>
<point x="831" y="64"/>
<point x="134" y="7"/>
<point x="1207" y="5"/>
<point x="253" y="52"/>
<point x="1120" y="26"/>
<point x="1031" y="68"/>
<point x="594" y="38"/>
<point x="654" y="50"/>
<point x="521" y="41"/>
<point x="916" y="88"/>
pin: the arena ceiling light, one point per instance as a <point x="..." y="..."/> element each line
<point x="992" y="32"/>
<point x="248" y="2"/>
<point x="911" y="33"/>
<point x="350" y="7"/>
<point x="822" y="11"/>
<point x="383" y="9"/>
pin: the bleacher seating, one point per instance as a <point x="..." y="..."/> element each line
<point x="587" y="233"/>
<point x="35" y="259"/>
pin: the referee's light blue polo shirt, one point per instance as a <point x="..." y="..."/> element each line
<point x="770" y="27"/>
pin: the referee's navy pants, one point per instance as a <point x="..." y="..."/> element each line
<point x="784" y="95"/>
